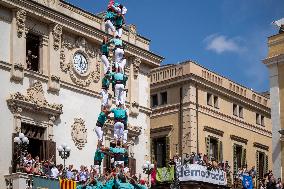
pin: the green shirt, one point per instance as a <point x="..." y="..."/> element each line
<point x="109" y="184"/>
<point x="102" y="118"/>
<point x="119" y="113"/>
<point x="110" y="15"/>
<point x="119" y="21"/>
<point x="105" y="49"/>
<point x="99" y="155"/>
<point x="120" y="77"/>
<point x="105" y="82"/>
<point x="116" y="41"/>
<point x="117" y="150"/>
<point x="121" y="185"/>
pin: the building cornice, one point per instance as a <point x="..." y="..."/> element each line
<point x="239" y="139"/>
<point x="192" y="78"/>
<point x="233" y="120"/>
<point x="277" y="59"/>
<point x="74" y="25"/>
<point x="213" y="130"/>
<point x="261" y="146"/>
<point x="161" y="111"/>
<point x="63" y="84"/>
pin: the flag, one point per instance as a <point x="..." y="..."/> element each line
<point x="165" y="174"/>
<point x="67" y="184"/>
<point x="40" y="182"/>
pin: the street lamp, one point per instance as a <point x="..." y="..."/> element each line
<point x="64" y="153"/>
<point x="22" y="144"/>
<point x="147" y="169"/>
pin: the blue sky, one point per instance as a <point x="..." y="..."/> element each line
<point x="226" y="36"/>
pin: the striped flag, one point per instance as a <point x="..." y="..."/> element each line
<point x="67" y="184"/>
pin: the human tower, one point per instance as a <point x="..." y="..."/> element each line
<point x="113" y="75"/>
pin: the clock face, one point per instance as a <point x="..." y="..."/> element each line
<point x="80" y="63"/>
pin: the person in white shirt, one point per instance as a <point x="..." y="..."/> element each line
<point x="54" y="172"/>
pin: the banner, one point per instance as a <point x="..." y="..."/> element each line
<point x="194" y="172"/>
<point x="165" y="174"/>
<point x="40" y="182"/>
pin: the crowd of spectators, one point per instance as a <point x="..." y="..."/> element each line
<point x="202" y="159"/>
<point x="267" y="182"/>
<point x="86" y="177"/>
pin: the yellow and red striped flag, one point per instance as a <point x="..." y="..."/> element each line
<point x="67" y="184"/>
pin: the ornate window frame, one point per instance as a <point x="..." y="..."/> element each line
<point x="34" y="109"/>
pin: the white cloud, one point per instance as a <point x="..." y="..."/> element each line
<point x="220" y="44"/>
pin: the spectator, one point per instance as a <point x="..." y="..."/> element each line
<point x="54" y="171"/>
<point x="70" y="173"/>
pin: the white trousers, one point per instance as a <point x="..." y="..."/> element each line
<point x="121" y="65"/>
<point x="100" y="133"/>
<point x="119" y="94"/>
<point x="105" y="62"/>
<point x="118" y="55"/>
<point x="118" y="32"/>
<point x="109" y="26"/>
<point x="105" y="97"/>
<point x="125" y="133"/>
<point x="118" y="130"/>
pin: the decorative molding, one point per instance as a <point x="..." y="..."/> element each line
<point x="57" y="32"/>
<point x="55" y="78"/>
<point x="213" y="130"/>
<point x="34" y="100"/>
<point x="136" y="66"/>
<point x="167" y="128"/>
<point x="261" y="146"/>
<point x="239" y="139"/>
<point x="21" y="18"/>
<point x="79" y="133"/>
<point x="91" y="54"/>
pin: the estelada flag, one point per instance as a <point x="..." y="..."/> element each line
<point x="67" y="184"/>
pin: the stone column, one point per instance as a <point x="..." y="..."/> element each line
<point x="18" y="44"/>
<point x="189" y="119"/>
<point x="134" y="85"/>
<point x="54" y="47"/>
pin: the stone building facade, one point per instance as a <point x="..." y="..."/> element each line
<point x="197" y="110"/>
<point x="44" y="95"/>
<point x="275" y="64"/>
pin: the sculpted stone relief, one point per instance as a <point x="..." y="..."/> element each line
<point x="79" y="133"/>
<point x="33" y="99"/>
<point x="136" y="66"/>
<point x="69" y="48"/>
<point x="57" y="32"/>
<point x="21" y="18"/>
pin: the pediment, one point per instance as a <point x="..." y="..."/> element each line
<point x="33" y="100"/>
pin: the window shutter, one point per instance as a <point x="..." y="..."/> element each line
<point x="207" y="143"/>
<point x="132" y="166"/>
<point x="167" y="150"/>
<point x="257" y="164"/>
<point x="50" y="150"/>
<point x="152" y="151"/>
<point x="244" y="156"/>
<point x="235" y="159"/>
<point x="220" y="151"/>
<point x="265" y="164"/>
